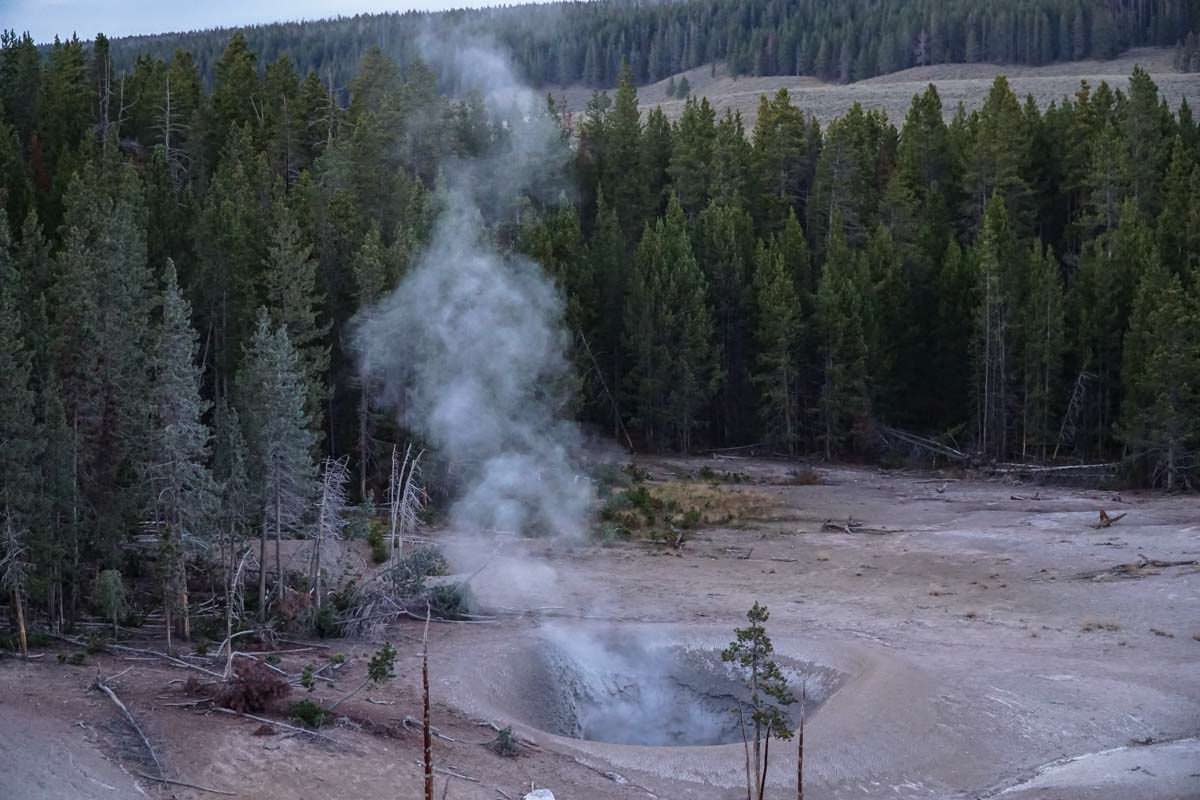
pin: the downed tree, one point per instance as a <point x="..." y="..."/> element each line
<point x="852" y="525"/>
<point x="1135" y="569"/>
<point x="1106" y="521"/>
<point x="101" y="685"/>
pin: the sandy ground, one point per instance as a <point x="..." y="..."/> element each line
<point x="986" y="647"/>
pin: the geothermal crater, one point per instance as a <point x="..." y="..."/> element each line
<point x="631" y="689"/>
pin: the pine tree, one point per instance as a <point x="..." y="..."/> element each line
<point x="607" y="264"/>
<point x="732" y="157"/>
<point x="20" y="439"/>
<point x="654" y="158"/>
<point x="844" y="401"/>
<point x="101" y="301"/>
<point x="779" y="161"/>
<point x="1043" y="344"/>
<point x="691" y="155"/>
<point x="295" y="305"/>
<point x="1102" y="296"/>
<point x="668" y="335"/>
<point x="1160" y="421"/>
<point x="177" y="467"/>
<point x="996" y="256"/>
<point x="1177" y="240"/>
<point x="778" y="340"/>
<point x="231" y="251"/>
<point x="888" y="325"/>
<point x="236" y="503"/>
<point x="954" y="328"/>
<point x="724" y="251"/>
<point x="997" y="161"/>
<point x="620" y="151"/>
<point x="271" y="387"/>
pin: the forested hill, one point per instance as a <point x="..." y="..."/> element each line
<point x="838" y="40"/>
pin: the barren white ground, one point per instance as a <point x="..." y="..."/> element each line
<point x="989" y="651"/>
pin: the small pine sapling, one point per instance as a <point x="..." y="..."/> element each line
<point x="751" y="650"/>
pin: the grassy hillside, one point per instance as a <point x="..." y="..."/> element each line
<point x="957" y="83"/>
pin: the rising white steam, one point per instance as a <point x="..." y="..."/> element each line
<point x="470" y="348"/>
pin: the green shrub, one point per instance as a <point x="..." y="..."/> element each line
<point x="411" y="569"/>
<point x="308" y="714"/>
<point x="449" y="601"/>
<point x="505" y="744"/>
<point x="377" y="539"/>
<point x="325" y="623"/>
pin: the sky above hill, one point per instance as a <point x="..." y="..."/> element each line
<point x="44" y="19"/>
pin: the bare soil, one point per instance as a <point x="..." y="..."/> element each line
<point x="991" y="643"/>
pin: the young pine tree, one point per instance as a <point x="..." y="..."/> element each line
<point x="752" y="650"/>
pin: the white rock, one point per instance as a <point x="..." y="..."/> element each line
<point x="539" y="794"/>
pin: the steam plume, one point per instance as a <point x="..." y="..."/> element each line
<point x="470" y="348"/>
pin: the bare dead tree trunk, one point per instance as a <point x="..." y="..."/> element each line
<point x="183" y="597"/>
<point x="426" y="728"/>
<point x="278" y="546"/>
<point x="746" y="748"/>
<point x="800" y="745"/>
<point x="21" y="637"/>
<point x="762" y="779"/>
<point x="262" y="574"/>
<point x="363" y="438"/>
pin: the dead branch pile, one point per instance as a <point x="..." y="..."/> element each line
<point x="254" y="687"/>
<point x="1135" y="569"/>
<point x="851" y="525"/>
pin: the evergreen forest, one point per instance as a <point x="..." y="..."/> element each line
<point x="188" y="235"/>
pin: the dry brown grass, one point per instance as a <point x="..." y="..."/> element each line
<point x="661" y="511"/>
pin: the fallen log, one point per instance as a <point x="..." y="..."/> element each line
<point x="102" y="686"/>
<point x="1106" y="521"/>
<point x="195" y="786"/>
<point x="277" y="724"/>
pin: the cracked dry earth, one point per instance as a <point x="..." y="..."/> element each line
<point x="987" y="642"/>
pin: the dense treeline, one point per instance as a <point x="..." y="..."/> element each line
<point x="587" y="42"/>
<point x="180" y="268"/>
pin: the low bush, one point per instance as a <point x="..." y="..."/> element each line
<point x="411" y="569"/>
<point x="308" y="714"/>
<point x="449" y="601"/>
<point x="377" y="539"/>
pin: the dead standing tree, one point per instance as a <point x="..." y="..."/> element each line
<point x="331" y="518"/>
<point x="406" y="499"/>
<point x="12" y="576"/>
